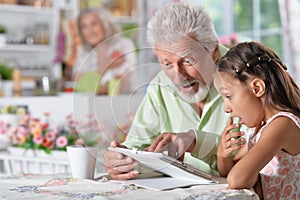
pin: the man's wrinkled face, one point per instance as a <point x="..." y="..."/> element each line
<point x="190" y="68"/>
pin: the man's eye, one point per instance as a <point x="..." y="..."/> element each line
<point x="167" y="65"/>
<point x="188" y="62"/>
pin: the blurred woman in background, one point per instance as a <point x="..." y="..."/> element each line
<point x="105" y="55"/>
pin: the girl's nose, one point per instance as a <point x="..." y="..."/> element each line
<point x="227" y="108"/>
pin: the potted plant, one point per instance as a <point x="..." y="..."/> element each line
<point x="6" y="79"/>
<point x="6" y="72"/>
<point x="2" y="35"/>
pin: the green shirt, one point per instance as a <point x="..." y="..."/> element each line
<point x="162" y="111"/>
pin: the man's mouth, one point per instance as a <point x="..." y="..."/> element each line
<point x="187" y="86"/>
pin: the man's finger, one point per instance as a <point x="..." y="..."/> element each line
<point x="124" y="168"/>
<point x="172" y="150"/>
<point x="113" y="161"/>
<point x="163" y="144"/>
<point x="125" y="176"/>
<point x="116" y="144"/>
<point x="154" y="144"/>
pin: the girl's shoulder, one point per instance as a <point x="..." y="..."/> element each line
<point x="289" y="115"/>
<point x="280" y="122"/>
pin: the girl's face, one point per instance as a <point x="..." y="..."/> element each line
<point x="239" y="99"/>
<point x="92" y="29"/>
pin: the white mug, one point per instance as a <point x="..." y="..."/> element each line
<point x="82" y="160"/>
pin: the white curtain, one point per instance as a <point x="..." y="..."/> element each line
<point x="290" y="18"/>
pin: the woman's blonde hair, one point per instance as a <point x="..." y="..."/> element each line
<point x="110" y="27"/>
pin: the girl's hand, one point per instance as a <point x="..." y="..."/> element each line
<point x="230" y="140"/>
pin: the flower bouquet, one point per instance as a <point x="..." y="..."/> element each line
<point x="32" y="133"/>
<point x="9" y="119"/>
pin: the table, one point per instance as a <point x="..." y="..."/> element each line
<point x="63" y="186"/>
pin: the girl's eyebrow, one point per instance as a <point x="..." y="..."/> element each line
<point x="222" y="89"/>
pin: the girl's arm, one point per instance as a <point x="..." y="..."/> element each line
<point x="273" y="138"/>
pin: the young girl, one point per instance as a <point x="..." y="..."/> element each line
<point x="257" y="88"/>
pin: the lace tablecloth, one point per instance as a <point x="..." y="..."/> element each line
<point x="62" y="186"/>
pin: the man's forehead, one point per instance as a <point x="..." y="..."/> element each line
<point x="175" y="52"/>
<point x="180" y="48"/>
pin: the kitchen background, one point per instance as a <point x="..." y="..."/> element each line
<point x="38" y="44"/>
<point x="40" y="36"/>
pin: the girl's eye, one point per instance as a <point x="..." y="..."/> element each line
<point x="228" y="97"/>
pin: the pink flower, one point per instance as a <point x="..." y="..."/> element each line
<point x="22" y="131"/>
<point x="38" y="139"/>
<point x="229" y="40"/>
<point x="61" y="141"/>
<point x="18" y="139"/>
<point x="3" y="127"/>
<point x="47" y="143"/>
<point x="51" y="135"/>
<point x="234" y="37"/>
<point x="224" y="40"/>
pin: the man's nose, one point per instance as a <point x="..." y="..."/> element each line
<point x="179" y="72"/>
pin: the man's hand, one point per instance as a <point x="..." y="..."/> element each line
<point x="176" y="144"/>
<point x="119" y="166"/>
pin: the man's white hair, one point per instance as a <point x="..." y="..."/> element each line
<point x="178" y="20"/>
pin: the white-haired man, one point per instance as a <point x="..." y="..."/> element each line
<point x="181" y="108"/>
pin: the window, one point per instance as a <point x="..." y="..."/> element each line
<point x="250" y="19"/>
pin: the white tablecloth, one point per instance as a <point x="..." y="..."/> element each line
<point x="62" y="186"/>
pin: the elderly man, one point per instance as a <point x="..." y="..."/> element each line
<point x="181" y="109"/>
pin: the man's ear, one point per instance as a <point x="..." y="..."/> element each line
<point x="216" y="54"/>
<point x="258" y="87"/>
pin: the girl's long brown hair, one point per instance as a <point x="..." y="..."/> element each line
<point x="250" y="59"/>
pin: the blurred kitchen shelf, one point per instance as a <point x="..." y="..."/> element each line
<point x="35" y="72"/>
<point x="24" y="21"/>
<point x="25" y="47"/>
<point x="26" y="9"/>
<point x="126" y="19"/>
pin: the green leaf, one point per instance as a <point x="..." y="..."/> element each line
<point x="48" y="151"/>
<point x="6" y="72"/>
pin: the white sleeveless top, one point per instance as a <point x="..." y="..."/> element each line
<point x="280" y="178"/>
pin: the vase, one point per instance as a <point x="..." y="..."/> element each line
<point x="2" y="40"/>
<point x="12" y="121"/>
<point x="8" y="88"/>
